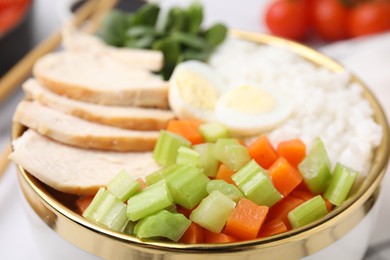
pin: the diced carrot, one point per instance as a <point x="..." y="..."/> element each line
<point x="142" y="182"/>
<point x="186" y="128"/>
<point x="302" y="187"/>
<point x="83" y="202"/>
<point x="193" y="235"/>
<point x="282" y="208"/>
<point x="273" y="227"/>
<point x="224" y="173"/>
<point x="245" y="220"/>
<point x="217" y="238"/>
<point x="329" y="205"/>
<point x="184" y="211"/>
<point x="284" y="176"/>
<point x="294" y="151"/>
<point x="263" y="152"/>
<point x="302" y="194"/>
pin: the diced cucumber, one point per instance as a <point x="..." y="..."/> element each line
<point x="208" y="161"/>
<point x="166" y="149"/>
<point x="340" y="184"/>
<point x="256" y="185"/>
<point x="213" y="211"/>
<point x="149" y="201"/>
<point x="160" y="174"/>
<point x="213" y="131"/>
<point x="316" y="168"/>
<point x="115" y="218"/>
<point x="162" y="224"/>
<point x="307" y="212"/>
<point x="188" y="156"/>
<point x="187" y="185"/>
<point x="123" y="185"/>
<point x="225" y="188"/>
<point x="231" y="153"/>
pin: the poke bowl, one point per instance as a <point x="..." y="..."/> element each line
<point x="343" y="233"/>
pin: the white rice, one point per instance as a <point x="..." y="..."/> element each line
<point x="327" y="104"/>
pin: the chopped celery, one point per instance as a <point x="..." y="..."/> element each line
<point x="231" y="153"/>
<point x="115" y="218"/>
<point x="149" y="201"/>
<point x="162" y="224"/>
<point x="208" y="161"/>
<point x="187" y="185"/>
<point x="160" y="174"/>
<point x="254" y="182"/>
<point x="187" y="156"/>
<point x="123" y="185"/>
<point x="92" y="210"/>
<point x="213" y="131"/>
<point x="165" y="151"/>
<point x="340" y="184"/>
<point x="213" y="211"/>
<point x="225" y="188"/>
<point x="316" y="168"/>
<point x="129" y="228"/>
<point x="307" y="212"/>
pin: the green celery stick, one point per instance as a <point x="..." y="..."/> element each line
<point x="91" y="212"/>
<point x="231" y="153"/>
<point x="213" y="211"/>
<point x="213" y="131"/>
<point x="208" y="161"/>
<point x="225" y="188"/>
<point x="166" y="149"/>
<point x="160" y="174"/>
<point x="315" y="168"/>
<point x="149" y="201"/>
<point x="129" y="227"/>
<point x="162" y="224"/>
<point x="123" y="185"/>
<point x="307" y="212"/>
<point x="256" y="185"/>
<point x="103" y="206"/>
<point x="188" y="156"/>
<point x="115" y="218"/>
<point x="340" y="184"/>
<point x="187" y="186"/>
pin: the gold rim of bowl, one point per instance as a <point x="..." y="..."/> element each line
<point x="290" y="245"/>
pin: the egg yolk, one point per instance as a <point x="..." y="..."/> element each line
<point x="196" y="90"/>
<point x="249" y="100"/>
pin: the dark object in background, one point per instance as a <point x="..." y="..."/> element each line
<point x="16" y="42"/>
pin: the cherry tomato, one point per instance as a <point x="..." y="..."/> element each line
<point x="330" y="19"/>
<point x="286" y="18"/>
<point x="369" y="18"/>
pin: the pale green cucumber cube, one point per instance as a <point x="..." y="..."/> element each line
<point x="256" y="185"/>
<point x="308" y="212"/>
<point x="160" y="174"/>
<point x="208" y="162"/>
<point x="316" y="168"/>
<point x="225" y="188"/>
<point x="213" y="131"/>
<point x="341" y="183"/>
<point x="123" y="185"/>
<point x="187" y="186"/>
<point x="188" y="156"/>
<point x="213" y="211"/>
<point x="167" y="146"/>
<point x="162" y="224"/>
<point x="149" y="201"/>
<point x="116" y="217"/>
<point x="231" y="153"/>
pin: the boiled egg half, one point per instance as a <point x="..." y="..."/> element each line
<point x="250" y="110"/>
<point x="194" y="89"/>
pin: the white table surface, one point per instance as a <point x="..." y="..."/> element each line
<point x="368" y="58"/>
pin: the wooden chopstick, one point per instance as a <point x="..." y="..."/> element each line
<point x="4" y="162"/>
<point x="13" y="79"/>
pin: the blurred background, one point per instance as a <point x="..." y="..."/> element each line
<point x="29" y="22"/>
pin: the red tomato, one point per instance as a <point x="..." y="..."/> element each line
<point x="369" y="18"/>
<point x="286" y="18"/>
<point x="330" y="19"/>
